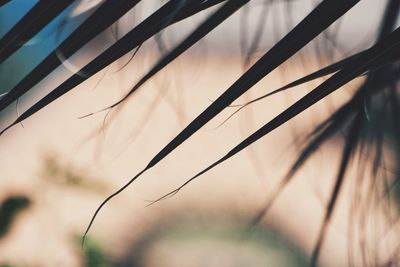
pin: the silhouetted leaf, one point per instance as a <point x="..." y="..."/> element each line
<point x="3" y="2"/>
<point x="317" y="21"/>
<point x="103" y="17"/>
<point x="210" y="24"/>
<point x="34" y="21"/>
<point x="303" y="33"/>
<point x="351" y="143"/>
<point x="388" y="47"/>
<point x="142" y="32"/>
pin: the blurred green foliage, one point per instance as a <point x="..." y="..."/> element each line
<point x="54" y="171"/>
<point x="94" y="255"/>
<point x="218" y="243"/>
<point x="9" y="209"/>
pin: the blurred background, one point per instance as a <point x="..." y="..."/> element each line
<point x="57" y="167"/>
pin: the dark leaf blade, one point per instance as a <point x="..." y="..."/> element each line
<point x="133" y="39"/>
<point x="102" y="18"/>
<point x="315" y="75"/>
<point x="194" y="8"/>
<point x="27" y="27"/>
<point x="105" y="201"/>
<point x="3" y="2"/>
<point x="138" y="35"/>
<point x="350" y="146"/>
<point x="312" y="76"/>
<point x="390" y="46"/>
<point x="304" y="32"/>
<point x="328" y="129"/>
<point x="142" y="32"/>
<point x="323" y="132"/>
<point x="209" y="24"/>
<point x="389" y="18"/>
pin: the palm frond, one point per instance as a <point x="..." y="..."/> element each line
<point x="378" y="65"/>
